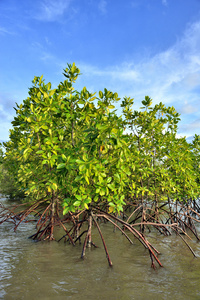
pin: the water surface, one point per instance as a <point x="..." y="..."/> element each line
<point x="51" y="270"/>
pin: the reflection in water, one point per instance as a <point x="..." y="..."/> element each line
<point x="51" y="270"/>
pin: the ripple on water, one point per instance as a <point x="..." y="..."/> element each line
<point x="46" y="270"/>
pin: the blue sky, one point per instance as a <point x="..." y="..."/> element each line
<point x="133" y="47"/>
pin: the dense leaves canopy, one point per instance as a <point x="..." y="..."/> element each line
<point x="73" y="145"/>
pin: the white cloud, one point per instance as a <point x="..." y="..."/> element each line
<point x="45" y="56"/>
<point x="52" y="10"/>
<point x="164" y="2"/>
<point x="4" y="131"/>
<point x="103" y="6"/>
<point x="171" y="77"/>
<point x="114" y="73"/>
<point x="192" y="80"/>
<point x="5" y="31"/>
<point x="48" y="42"/>
<point x="188" y="108"/>
<point x="190" y="128"/>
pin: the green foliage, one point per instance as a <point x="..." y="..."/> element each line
<point x="74" y="146"/>
<point x="1" y="154"/>
<point x="162" y="163"/>
<point x="8" y="184"/>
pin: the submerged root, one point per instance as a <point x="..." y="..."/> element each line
<point x="166" y="218"/>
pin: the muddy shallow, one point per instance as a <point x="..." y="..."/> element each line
<point x="51" y="270"/>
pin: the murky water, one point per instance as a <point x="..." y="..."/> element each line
<point x="51" y="270"/>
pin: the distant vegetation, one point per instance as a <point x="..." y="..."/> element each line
<point x="72" y="158"/>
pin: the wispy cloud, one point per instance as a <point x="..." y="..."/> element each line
<point x="4" y="133"/>
<point x="46" y="56"/>
<point x="52" y="10"/>
<point x="103" y="6"/>
<point x="164" y="2"/>
<point x="188" y="108"/>
<point x="190" y="128"/>
<point x="6" y="105"/>
<point x="6" y="114"/>
<point x="116" y="72"/>
<point x="135" y="4"/>
<point x="171" y="76"/>
<point x="3" y="30"/>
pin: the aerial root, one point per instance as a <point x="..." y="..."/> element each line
<point x="88" y="240"/>
<point x="103" y="241"/>
<point x="177" y="217"/>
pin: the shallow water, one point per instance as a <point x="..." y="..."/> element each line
<point x="51" y="270"/>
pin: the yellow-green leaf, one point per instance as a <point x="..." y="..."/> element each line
<point x="86" y="206"/>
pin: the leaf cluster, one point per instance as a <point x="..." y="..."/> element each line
<point x="73" y="144"/>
